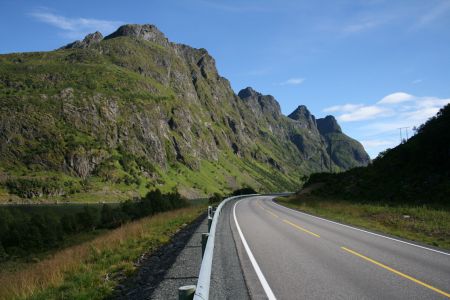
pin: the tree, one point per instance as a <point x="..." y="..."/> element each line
<point x="87" y="219"/>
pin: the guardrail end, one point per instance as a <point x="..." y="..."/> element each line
<point x="186" y="292"/>
<point x="204" y="241"/>
<point x="210" y="219"/>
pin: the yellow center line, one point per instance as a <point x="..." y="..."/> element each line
<point x="301" y="228"/>
<point x="397" y="272"/>
<point x="273" y="214"/>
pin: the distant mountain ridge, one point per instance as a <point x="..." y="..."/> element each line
<point x="116" y="116"/>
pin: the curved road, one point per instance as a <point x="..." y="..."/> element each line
<point x="286" y="254"/>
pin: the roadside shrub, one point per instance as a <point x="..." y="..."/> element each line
<point x="216" y="197"/>
<point x="244" y="191"/>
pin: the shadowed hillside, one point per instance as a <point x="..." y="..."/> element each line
<point x="415" y="172"/>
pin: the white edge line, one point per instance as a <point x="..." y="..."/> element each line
<point x="362" y="230"/>
<point x="261" y="277"/>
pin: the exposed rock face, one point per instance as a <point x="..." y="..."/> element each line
<point x="345" y="150"/>
<point x="145" y="32"/>
<point x="328" y="125"/>
<point x="90" y="39"/>
<point x="302" y="115"/>
<point x="260" y="104"/>
<point x="134" y="105"/>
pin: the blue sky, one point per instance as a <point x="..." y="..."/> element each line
<point x="376" y="65"/>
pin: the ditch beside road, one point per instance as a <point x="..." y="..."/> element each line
<point x="174" y="265"/>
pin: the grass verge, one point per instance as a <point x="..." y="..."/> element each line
<point x="422" y="224"/>
<point x="92" y="269"/>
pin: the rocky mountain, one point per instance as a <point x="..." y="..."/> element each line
<point x="345" y="150"/>
<point x="110" y="118"/>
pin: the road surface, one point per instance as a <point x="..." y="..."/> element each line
<point x="285" y="254"/>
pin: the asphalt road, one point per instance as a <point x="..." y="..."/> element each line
<point x="285" y="254"/>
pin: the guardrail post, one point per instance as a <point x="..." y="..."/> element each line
<point x="204" y="241"/>
<point x="186" y="292"/>
<point x="209" y="223"/>
<point x="209" y="211"/>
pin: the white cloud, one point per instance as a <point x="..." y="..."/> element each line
<point x="395" y="98"/>
<point x="376" y="143"/>
<point x="426" y="102"/>
<point x="293" y="81"/>
<point x="75" y="28"/>
<point x="378" y="126"/>
<point x="364" y="113"/>
<point x="343" y="108"/>
<point x="417" y="81"/>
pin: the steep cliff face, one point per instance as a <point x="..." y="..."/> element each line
<point x="109" y="118"/>
<point x="345" y="151"/>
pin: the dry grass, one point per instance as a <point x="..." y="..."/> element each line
<point x="53" y="271"/>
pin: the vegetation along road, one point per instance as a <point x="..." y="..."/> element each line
<point x="287" y="254"/>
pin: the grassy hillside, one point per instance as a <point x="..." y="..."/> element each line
<point x="109" y="119"/>
<point x="76" y="139"/>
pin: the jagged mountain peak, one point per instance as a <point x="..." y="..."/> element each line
<point x="259" y="103"/>
<point x="303" y="115"/>
<point x="328" y="125"/>
<point x="248" y="92"/>
<point x="146" y="32"/>
<point x="88" y="40"/>
<point x="301" y="112"/>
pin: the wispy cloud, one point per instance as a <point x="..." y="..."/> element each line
<point x="378" y="124"/>
<point x="436" y="12"/>
<point x="364" y="113"/>
<point x="361" y="25"/>
<point x="377" y="143"/>
<point x="396" y="98"/>
<point x="343" y="108"/>
<point x="293" y="81"/>
<point x="417" y="81"/>
<point x="75" y="28"/>
<point x="235" y="7"/>
<point x="399" y="107"/>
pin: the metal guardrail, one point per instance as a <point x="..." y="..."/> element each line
<point x="204" y="277"/>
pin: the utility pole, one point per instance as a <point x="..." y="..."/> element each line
<point x="401" y="136"/>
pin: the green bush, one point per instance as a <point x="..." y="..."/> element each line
<point x="25" y="231"/>
<point x="244" y="191"/>
<point x="215" y="198"/>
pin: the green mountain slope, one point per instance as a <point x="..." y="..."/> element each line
<point x="107" y="119"/>
<point x="415" y="172"/>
